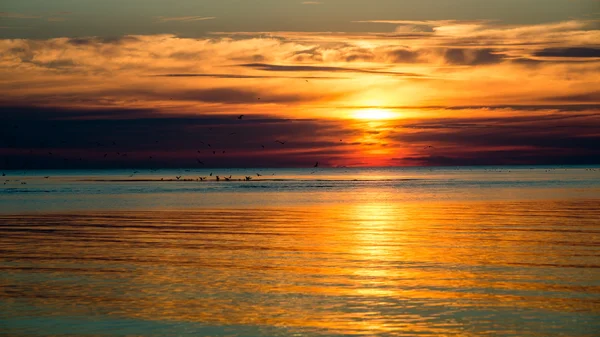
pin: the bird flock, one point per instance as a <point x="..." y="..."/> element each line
<point x="111" y="152"/>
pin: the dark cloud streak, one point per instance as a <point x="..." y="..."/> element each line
<point x="285" y="68"/>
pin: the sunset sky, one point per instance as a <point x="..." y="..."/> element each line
<point x="151" y="83"/>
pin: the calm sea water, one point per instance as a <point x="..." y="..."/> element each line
<point x="512" y="251"/>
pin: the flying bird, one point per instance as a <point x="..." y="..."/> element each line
<point x="241" y="116"/>
<point x="248" y="178"/>
<point x="263" y="146"/>
<point x="259" y="175"/>
<point x="280" y="142"/>
<point x="200" y="162"/>
<point x="316" y="164"/>
<point x="178" y="177"/>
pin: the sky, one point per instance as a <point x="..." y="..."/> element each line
<point x="151" y="83"/>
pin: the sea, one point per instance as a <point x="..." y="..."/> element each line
<point x="421" y="251"/>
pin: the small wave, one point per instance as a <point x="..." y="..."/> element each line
<point x="250" y="181"/>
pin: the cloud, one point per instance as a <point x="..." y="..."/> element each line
<point x="432" y="23"/>
<point x="15" y="27"/>
<point x="172" y="141"/>
<point x="468" y="78"/>
<point x="178" y="140"/>
<point x="234" y="76"/>
<point x="542" y="139"/>
<point x="404" y="55"/>
<point x="183" y="18"/>
<point x="472" y="57"/>
<point x="307" y="68"/>
<point x="18" y="16"/>
<point x="592" y="96"/>
<point x="568" y="52"/>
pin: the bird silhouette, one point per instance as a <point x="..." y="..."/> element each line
<point x="178" y="177"/>
<point x="263" y="146"/>
<point x="200" y="162"/>
<point x="218" y="178"/>
<point x="240" y="116"/>
<point x="280" y="142"/>
<point x="248" y="178"/>
<point x="316" y="164"/>
<point x="259" y="175"/>
<point x="210" y="174"/>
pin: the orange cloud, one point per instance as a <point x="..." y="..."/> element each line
<point x="443" y="69"/>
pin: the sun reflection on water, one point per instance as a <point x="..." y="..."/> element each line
<point x="370" y="268"/>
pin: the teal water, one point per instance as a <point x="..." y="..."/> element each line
<point x="144" y="189"/>
<point x="490" y="251"/>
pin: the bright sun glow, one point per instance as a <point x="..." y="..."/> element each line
<point x="374" y="114"/>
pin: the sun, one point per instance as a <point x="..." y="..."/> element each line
<point x="374" y="114"/>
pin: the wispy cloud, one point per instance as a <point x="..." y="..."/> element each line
<point x="18" y="16"/>
<point x="183" y="18"/>
<point x="309" y="68"/>
<point x="15" y="27"/>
